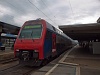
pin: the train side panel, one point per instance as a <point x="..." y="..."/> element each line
<point x="50" y="44"/>
<point x="47" y="44"/>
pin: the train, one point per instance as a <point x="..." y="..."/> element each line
<point x="39" y="41"/>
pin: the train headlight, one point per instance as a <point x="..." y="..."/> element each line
<point x="35" y="54"/>
<point x="36" y="51"/>
<point x="17" y="50"/>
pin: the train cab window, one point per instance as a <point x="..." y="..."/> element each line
<point x="31" y="32"/>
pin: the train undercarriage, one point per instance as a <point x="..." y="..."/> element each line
<point x="29" y="58"/>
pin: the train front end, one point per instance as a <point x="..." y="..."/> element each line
<point x="29" y="43"/>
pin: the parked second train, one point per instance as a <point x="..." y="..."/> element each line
<point x="38" y="41"/>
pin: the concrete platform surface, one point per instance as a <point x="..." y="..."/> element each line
<point x="59" y="69"/>
<point x="6" y="54"/>
<point x="62" y="66"/>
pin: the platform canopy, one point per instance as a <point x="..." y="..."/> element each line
<point x="98" y="21"/>
<point x="8" y="28"/>
<point x="82" y="31"/>
<point x="11" y="36"/>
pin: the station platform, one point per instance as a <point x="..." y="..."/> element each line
<point x="6" y="54"/>
<point x="63" y="66"/>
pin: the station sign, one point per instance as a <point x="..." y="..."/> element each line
<point x="32" y="26"/>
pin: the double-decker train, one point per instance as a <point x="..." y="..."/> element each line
<point x="38" y="41"/>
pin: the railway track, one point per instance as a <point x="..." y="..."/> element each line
<point x="12" y="67"/>
<point x="8" y="60"/>
<point x="18" y="70"/>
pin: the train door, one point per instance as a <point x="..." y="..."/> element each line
<point x="48" y="44"/>
<point x="54" y="52"/>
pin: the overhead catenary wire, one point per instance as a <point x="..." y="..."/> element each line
<point x="17" y="8"/>
<point x="48" y="8"/>
<point x="11" y="16"/>
<point x="34" y="11"/>
<point x="14" y="7"/>
<point x="41" y="11"/>
<point x="8" y="14"/>
<point x="72" y="10"/>
<point x="22" y="11"/>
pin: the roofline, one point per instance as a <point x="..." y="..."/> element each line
<point x="98" y="21"/>
<point x="79" y="25"/>
<point x="9" y="24"/>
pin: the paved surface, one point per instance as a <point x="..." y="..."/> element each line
<point x="82" y="57"/>
<point x="6" y="54"/>
<point x="74" y="62"/>
<point x="89" y="71"/>
<point x="61" y="69"/>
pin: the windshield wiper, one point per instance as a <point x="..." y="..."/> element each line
<point x="31" y="36"/>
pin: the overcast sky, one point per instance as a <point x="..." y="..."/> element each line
<point x="56" y="12"/>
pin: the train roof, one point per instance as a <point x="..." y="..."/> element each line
<point x="52" y="28"/>
<point x="58" y="31"/>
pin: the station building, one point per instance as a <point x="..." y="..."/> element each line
<point x="8" y="34"/>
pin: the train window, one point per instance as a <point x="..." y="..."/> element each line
<point x="31" y="31"/>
